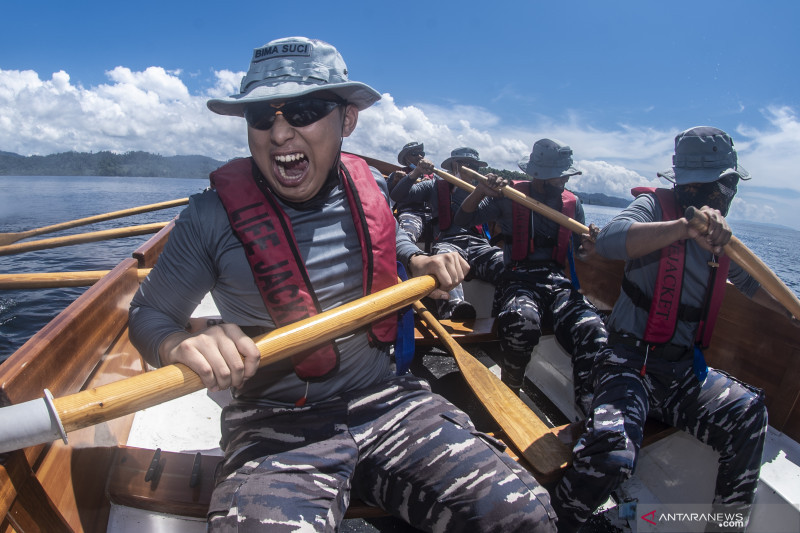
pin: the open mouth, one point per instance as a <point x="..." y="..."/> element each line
<point x="290" y="168"/>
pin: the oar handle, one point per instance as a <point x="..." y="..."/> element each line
<point x="8" y="238"/>
<point x="81" y="238"/>
<point x="44" y="280"/>
<point x="107" y="402"/>
<point x="520" y="198"/>
<point x="751" y="263"/>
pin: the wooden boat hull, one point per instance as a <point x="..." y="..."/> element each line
<point x="56" y="487"/>
<point x="74" y="487"/>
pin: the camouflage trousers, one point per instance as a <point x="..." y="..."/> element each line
<point x="412" y="223"/>
<point x="485" y="261"/>
<point x="532" y="297"/>
<point x="722" y="412"/>
<point x="396" y="446"/>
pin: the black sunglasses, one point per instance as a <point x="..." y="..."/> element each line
<point x="416" y="154"/>
<point x="298" y="113"/>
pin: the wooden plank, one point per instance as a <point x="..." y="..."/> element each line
<point x="62" y="357"/>
<point x="32" y="510"/>
<point x="761" y="348"/>
<point x="148" y="253"/>
<point x="67" y="472"/>
<point x="170" y="491"/>
<point x="63" y="353"/>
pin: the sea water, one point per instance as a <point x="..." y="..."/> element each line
<point x="34" y="201"/>
<point x="30" y="202"/>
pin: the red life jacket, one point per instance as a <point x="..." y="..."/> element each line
<point x="665" y="308"/>
<point x="522" y="244"/>
<point x="266" y="234"/>
<point x="443" y="203"/>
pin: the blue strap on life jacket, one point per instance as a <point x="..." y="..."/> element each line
<point x="699" y="365"/>
<point x="573" y="274"/>
<point x="404" y="345"/>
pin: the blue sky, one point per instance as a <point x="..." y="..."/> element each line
<point x="615" y="80"/>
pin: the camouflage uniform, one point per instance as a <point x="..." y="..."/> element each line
<point x="722" y="412"/>
<point x="532" y="297"/>
<point x="395" y="445"/>
<point x="413" y="223"/>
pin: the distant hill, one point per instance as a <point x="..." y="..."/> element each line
<point x="134" y="164"/>
<point x="587" y="198"/>
<point x="144" y="164"/>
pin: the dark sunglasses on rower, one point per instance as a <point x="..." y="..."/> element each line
<point x="298" y="113"/>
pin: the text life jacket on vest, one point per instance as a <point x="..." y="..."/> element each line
<point x="665" y="309"/>
<point x="268" y="239"/>
<point x="522" y="240"/>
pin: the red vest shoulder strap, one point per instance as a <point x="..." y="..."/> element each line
<point x="375" y="225"/>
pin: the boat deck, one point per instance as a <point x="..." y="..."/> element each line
<point x="548" y="391"/>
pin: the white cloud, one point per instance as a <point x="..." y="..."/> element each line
<point x="154" y="111"/>
<point x="150" y="110"/>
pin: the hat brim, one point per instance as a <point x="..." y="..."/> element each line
<point x="685" y="176"/>
<point x="359" y="94"/>
<point x="447" y="164"/>
<point x="405" y="151"/>
<point x="548" y="174"/>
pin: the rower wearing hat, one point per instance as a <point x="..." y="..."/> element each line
<point x="413" y="216"/>
<point x="672" y="290"/>
<point x="535" y="289"/>
<point x="299" y="228"/>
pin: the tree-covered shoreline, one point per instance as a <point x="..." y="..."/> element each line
<point x="129" y="164"/>
<point x="147" y="165"/>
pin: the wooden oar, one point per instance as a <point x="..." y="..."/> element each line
<point x="45" y="280"/>
<point x="107" y="402"/>
<point x="750" y="262"/>
<point x="522" y="199"/>
<point x="9" y="238"/>
<point x="547" y="455"/>
<point x="81" y="238"/>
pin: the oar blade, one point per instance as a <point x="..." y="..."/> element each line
<point x="545" y="454"/>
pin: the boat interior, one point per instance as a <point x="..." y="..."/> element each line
<point x="154" y="470"/>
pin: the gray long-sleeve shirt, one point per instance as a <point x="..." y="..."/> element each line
<point x="643" y="271"/>
<point x="204" y="255"/>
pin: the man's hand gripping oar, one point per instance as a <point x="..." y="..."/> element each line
<point x="498" y="188"/>
<point x="751" y="263"/>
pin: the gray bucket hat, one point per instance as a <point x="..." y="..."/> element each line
<point x="549" y="159"/>
<point x="292" y="67"/>
<point x="413" y="146"/>
<point x="703" y="154"/>
<point x="463" y="154"/>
